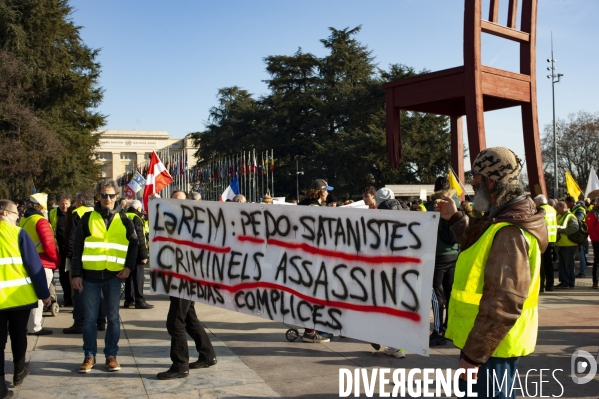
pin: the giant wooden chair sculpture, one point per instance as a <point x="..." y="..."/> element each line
<point x="474" y="88"/>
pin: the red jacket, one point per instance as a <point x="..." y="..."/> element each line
<point x="51" y="258"/>
<point x="593" y="226"/>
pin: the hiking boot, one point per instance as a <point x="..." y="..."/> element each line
<point x="396" y="353"/>
<point x="202" y="364"/>
<point x="315" y="338"/>
<point x="87" y="365"/>
<point x="20" y="374"/>
<point x="112" y="364"/>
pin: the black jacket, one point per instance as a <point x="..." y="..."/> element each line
<point x="142" y="249"/>
<point x="83" y="232"/>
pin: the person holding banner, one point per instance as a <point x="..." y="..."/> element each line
<point x="134" y="285"/>
<point x="180" y="321"/>
<point x="104" y="253"/>
<point x="493" y="308"/>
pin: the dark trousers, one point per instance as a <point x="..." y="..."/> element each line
<point x="566" y="265"/>
<point x="78" y="311"/>
<point x="547" y="269"/>
<point x="182" y="319"/>
<point x="65" y="282"/>
<point x="14" y="323"/>
<point x="134" y="285"/>
<point x="595" y="261"/>
<point x="442" y="283"/>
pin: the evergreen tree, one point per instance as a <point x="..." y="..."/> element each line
<point x="49" y="92"/>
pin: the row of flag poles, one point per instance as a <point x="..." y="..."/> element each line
<point x="250" y="172"/>
<point x="253" y="170"/>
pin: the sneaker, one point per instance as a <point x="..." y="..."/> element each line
<point x="87" y="365"/>
<point x="325" y="334"/>
<point x="375" y="346"/>
<point x="127" y="304"/>
<point x="396" y="353"/>
<point x="315" y="338"/>
<point x="580" y="275"/>
<point x="112" y="364"/>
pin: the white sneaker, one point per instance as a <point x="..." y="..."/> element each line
<point x="396" y="353"/>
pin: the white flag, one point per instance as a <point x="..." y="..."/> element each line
<point x="593" y="183"/>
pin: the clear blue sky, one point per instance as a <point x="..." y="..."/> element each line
<point x="163" y="62"/>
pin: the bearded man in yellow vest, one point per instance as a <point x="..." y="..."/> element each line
<point x="547" y="259"/>
<point x="104" y="253"/>
<point x="22" y="282"/>
<point x="493" y="307"/>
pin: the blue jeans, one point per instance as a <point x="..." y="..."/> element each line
<point x="583" y="249"/>
<point x="497" y="387"/>
<point x="111" y="288"/>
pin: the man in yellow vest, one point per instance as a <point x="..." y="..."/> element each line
<point x="493" y="306"/>
<point x="40" y="231"/>
<point x="546" y="260"/>
<point x="134" y="285"/>
<point x="566" y="249"/>
<point x="22" y="283"/>
<point x="104" y="253"/>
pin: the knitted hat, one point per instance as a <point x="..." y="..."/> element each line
<point x="382" y="195"/>
<point x="40" y="198"/>
<point x="499" y="164"/>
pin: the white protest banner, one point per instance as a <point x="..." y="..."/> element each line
<point x="365" y="274"/>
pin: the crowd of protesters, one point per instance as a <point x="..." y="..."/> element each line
<point x="71" y="237"/>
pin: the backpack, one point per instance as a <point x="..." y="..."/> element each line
<point x="580" y="236"/>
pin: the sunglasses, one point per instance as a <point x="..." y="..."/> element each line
<point x="104" y="196"/>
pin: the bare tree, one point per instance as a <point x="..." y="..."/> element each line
<point x="577" y="147"/>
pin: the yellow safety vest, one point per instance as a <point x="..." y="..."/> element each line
<point x="16" y="289"/>
<point x="551" y="221"/>
<point x="82" y="210"/>
<point x="562" y="222"/>
<point x="467" y="292"/>
<point x="422" y="207"/>
<point x="105" y="249"/>
<point x="53" y="218"/>
<point x="28" y="224"/>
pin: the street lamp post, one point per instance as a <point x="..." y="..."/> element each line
<point x="297" y="173"/>
<point x="555" y="78"/>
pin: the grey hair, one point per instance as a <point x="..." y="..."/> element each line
<point x="505" y="191"/>
<point x="135" y="204"/>
<point x="239" y="198"/>
<point x="541" y="199"/>
<point x="106" y="183"/>
<point x="6" y="205"/>
<point x="86" y="197"/>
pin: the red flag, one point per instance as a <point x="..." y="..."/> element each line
<point x="158" y="178"/>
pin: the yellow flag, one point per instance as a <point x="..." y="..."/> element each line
<point x="454" y="183"/>
<point x="572" y="187"/>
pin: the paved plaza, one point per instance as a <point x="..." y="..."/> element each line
<point x="256" y="361"/>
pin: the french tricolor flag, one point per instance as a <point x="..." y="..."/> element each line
<point x="231" y="191"/>
<point x="157" y="179"/>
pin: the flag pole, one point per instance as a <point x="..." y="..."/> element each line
<point x="460" y="183"/>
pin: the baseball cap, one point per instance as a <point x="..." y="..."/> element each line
<point x="320" y="184"/>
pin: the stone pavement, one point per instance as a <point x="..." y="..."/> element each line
<point x="256" y="361"/>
